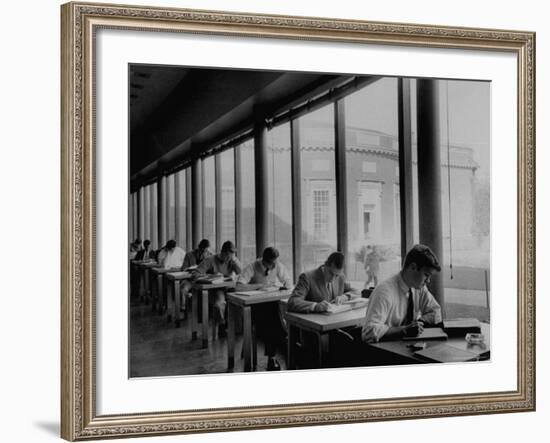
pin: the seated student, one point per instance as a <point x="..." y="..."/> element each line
<point x="227" y="264"/>
<point x="171" y="256"/>
<point x="402" y="305"/>
<point x="318" y="288"/>
<point x="267" y="272"/>
<point x="135" y="247"/>
<point x="193" y="258"/>
<point x="147" y="252"/>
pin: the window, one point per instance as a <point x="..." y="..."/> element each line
<point x="246" y="244"/>
<point x="280" y="193"/>
<point x="465" y="195"/>
<point x="372" y="162"/>
<point x="181" y="210"/>
<point x="320" y="214"/>
<point x="171" y="207"/>
<point x="147" y="212"/>
<point x="318" y="186"/>
<point x="209" y="202"/>
<point x="153" y="215"/>
<point x="227" y="195"/>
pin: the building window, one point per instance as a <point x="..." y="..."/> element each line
<point x="320" y="214"/>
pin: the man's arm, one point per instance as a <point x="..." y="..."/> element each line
<point x="375" y="326"/>
<point x="245" y="276"/>
<point x="297" y="301"/>
<point x="430" y="311"/>
<point x="236" y="265"/>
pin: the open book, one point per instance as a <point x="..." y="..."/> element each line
<point x="336" y="309"/>
<point x="429" y="333"/>
<point x="213" y="279"/>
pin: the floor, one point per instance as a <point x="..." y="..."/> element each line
<point x="158" y="348"/>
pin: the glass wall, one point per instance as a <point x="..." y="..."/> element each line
<point x="152" y="216"/>
<point x="181" y="209"/>
<point x="318" y="186"/>
<point x="279" y="179"/>
<point x="465" y="196"/>
<point x="372" y="170"/>
<point x="247" y="207"/>
<point x="227" y="162"/>
<point x="147" y="211"/>
<point x="171" y="207"/>
<point x="209" y="201"/>
<point x="464" y="122"/>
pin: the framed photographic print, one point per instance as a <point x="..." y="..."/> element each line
<point x="281" y="221"/>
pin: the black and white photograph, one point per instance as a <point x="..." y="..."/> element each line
<point x="286" y="220"/>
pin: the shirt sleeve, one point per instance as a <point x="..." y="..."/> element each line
<point x="246" y="275"/>
<point x="297" y="301"/>
<point x="204" y="267"/>
<point x="430" y="311"/>
<point x="375" y="326"/>
<point x="236" y="266"/>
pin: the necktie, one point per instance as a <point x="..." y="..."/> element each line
<point x="329" y="289"/>
<point x="410" y="308"/>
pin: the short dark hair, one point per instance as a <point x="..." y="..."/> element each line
<point x="423" y="257"/>
<point x="146" y="242"/>
<point x="270" y="254"/>
<point x="228" y="246"/>
<point x="337" y="259"/>
<point x="204" y="243"/>
<point x="170" y="244"/>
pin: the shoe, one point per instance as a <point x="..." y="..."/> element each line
<point x="273" y="364"/>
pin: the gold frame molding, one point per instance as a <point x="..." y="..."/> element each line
<point x="79" y="21"/>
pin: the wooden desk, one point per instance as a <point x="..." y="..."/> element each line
<point x="319" y="324"/>
<point x="144" y="267"/>
<point x="201" y="290"/>
<point x="238" y="302"/>
<point x="175" y="278"/>
<point x="397" y="351"/>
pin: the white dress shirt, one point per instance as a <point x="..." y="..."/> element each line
<point x="255" y="273"/>
<point x="173" y="258"/>
<point x="388" y="308"/>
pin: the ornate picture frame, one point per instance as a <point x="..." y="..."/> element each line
<point x="80" y="22"/>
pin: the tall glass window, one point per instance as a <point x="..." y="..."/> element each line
<point x="465" y="196"/>
<point x="279" y="177"/>
<point x="372" y="169"/>
<point x="171" y="207"/>
<point x="209" y="201"/>
<point x="464" y="122"/>
<point x="147" y="212"/>
<point x="181" y="209"/>
<point x="318" y="186"/>
<point x="246" y="244"/>
<point x="153" y="216"/>
<point x="227" y="160"/>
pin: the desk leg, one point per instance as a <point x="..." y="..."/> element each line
<point x="254" y="348"/>
<point x="177" y="302"/>
<point x="291" y="340"/>
<point x="154" y="290"/>
<point x="194" y="313"/>
<point x="205" y="318"/>
<point x="170" y="302"/>
<point x="147" y="282"/>
<point x="247" y="338"/>
<point x="231" y="323"/>
<point x="162" y="295"/>
<point x="141" y="285"/>
<point x="319" y="350"/>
